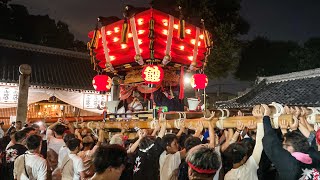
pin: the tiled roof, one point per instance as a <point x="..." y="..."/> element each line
<point x="298" y="88"/>
<point x="51" y="67"/>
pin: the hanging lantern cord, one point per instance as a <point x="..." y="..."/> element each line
<point x="151" y="37"/>
<point x="151" y="4"/>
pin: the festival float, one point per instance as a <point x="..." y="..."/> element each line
<point x="148" y="52"/>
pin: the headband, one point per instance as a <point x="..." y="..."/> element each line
<point x="202" y="171"/>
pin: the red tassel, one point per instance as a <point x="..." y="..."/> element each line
<point x="181" y="94"/>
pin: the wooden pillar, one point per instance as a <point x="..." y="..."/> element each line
<point x="24" y="83"/>
<point x="115" y="89"/>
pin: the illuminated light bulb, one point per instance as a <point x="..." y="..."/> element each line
<point x="123" y="46"/>
<point x="176" y="26"/>
<point x="140" y="21"/>
<point x="141" y="50"/>
<point x="129" y="35"/>
<point x="201" y="36"/>
<point x="109" y="32"/>
<point x="140" y="31"/>
<point x="188" y="31"/>
<point x="190" y="58"/>
<point x="199" y="43"/>
<point x="187" y="80"/>
<point x="165" y="22"/>
<point x="112" y="58"/>
<point x="116" y="29"/>
<point x="181" y="48"/>
<point x="115" y="39"/>
<point x="165" y="32"/>
<point x="139" y="41"/>
<point x="193" y="41"/>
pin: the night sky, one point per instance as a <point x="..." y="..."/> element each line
<point x="276" y="19"/>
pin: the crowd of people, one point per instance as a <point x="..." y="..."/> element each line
<point x="247" y="152"/>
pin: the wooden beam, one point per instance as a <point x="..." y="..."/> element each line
<point x="229" y="122"/>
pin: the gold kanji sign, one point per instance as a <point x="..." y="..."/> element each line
<point x="152" y="74"/>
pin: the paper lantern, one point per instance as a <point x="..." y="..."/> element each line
<point x="199" y="81"/>
<point x="152" y="74"/>
<point x="102" y="82"/>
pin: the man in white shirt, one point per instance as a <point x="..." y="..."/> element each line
<point x="1" y="130"/>
<point x="31" y="165"/>
<point x="64" y="150"/>
<point x="170" y="159"/>
<point x="245" y="167"/>
<point x="55" y="137"/>
<point x="78" y="167"/>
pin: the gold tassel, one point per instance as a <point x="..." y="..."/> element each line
<point x="93" y="44"/>
<point x="182" y="33"/>
<point x="182" y="25"/>
<point x="124" y="32"/>
<point x="95" y="39"/>
<point x="207" y="38"/>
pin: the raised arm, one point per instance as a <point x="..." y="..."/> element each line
<point x="275" y="152"/>
<point x="163" y="129"/>
<point x="69" y="125"/>
<point x="135" y="145"/>
<point x="258" y="146"/>
<point x="181" y="130"/>
<point x="232" y="136"/>
<point x="199" y="129"/>
<point x="211" y="135"/>
<point x="54" y="124"/>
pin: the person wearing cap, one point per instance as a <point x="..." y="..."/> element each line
<point x="1" y="130"/>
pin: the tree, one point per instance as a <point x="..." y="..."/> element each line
<point x="17" y="24"/>
<point x="222" y="20"/>
<point x="262" y="57"/>
<point x="309" y="54"/>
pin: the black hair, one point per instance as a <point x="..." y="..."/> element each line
<point x="191" y="142"/>
<point x="237" y="151"/>
<point x="297" y="141"/>
<point x="18" y="122"/>
<point x="35" y="126"/>
<point x="59" y="129"/>
<point x="12" y="130"/>
<point x="249" y="143"/>
<point x="28" y="129"/>
<point x="73" y="143"/>
<point x="109" y="156"/>
<point x="67" y="137"/>
<point x="20" y="135"/>
<point x="145" y="142"/>
<point x="203" y="157"/>
<point x="33" y="141"/>
<point x="168" y="139"/>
